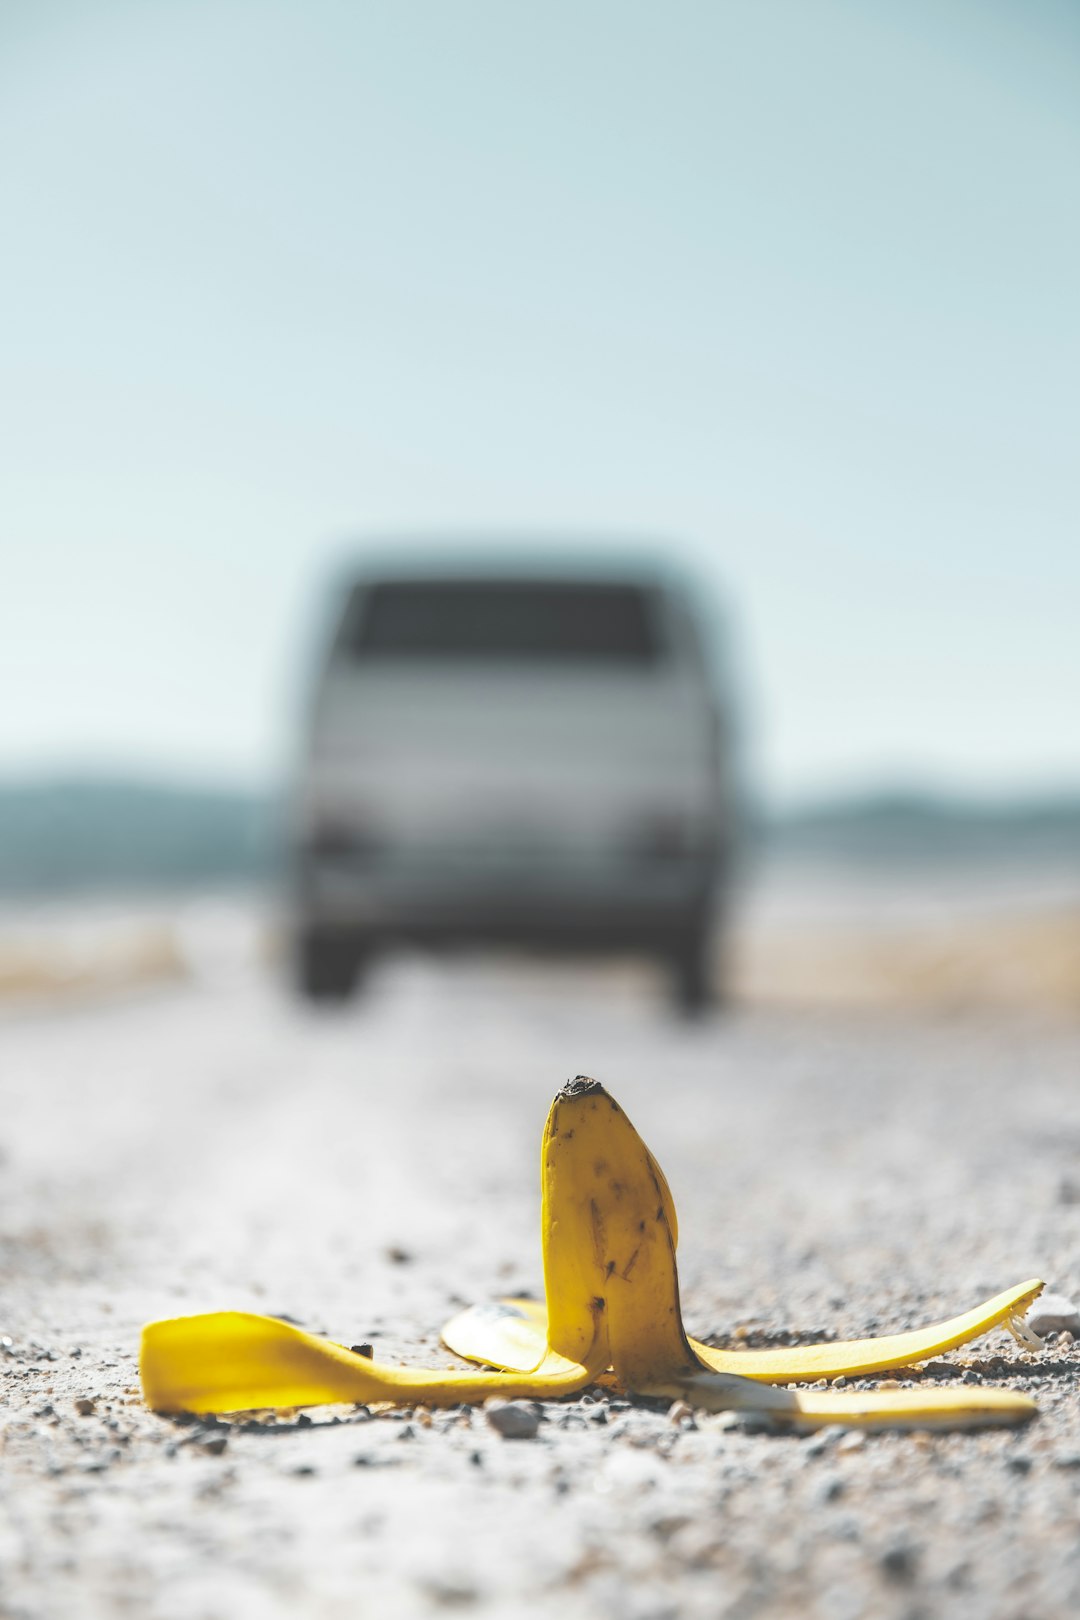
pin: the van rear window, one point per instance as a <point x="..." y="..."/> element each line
<point x="503" y="620"/>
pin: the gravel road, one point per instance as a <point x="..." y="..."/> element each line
<point x="209" y="1143"/>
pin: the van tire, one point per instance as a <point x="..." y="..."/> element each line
<point x="697" y="965"/>
<point x="327" y="966"/>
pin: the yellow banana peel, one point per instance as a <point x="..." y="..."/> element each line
<point x="611" y="1311"/>
<point x="236" y="1361"/>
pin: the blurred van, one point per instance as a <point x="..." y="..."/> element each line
<point x="527" y="755"/>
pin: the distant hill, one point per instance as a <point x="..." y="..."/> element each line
<point x="63" y="836"/>
<point x="896" y="828"/>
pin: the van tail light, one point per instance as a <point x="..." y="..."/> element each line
<point x="330" y="838"/>
<point x="662" y="837"/>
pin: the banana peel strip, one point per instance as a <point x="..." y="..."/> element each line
<point x="611" y="1311"/>
<point x="237" y="1361"/>
<point x="511" y="1335"/>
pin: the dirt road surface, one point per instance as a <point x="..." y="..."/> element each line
<point x="207" y="1143"/>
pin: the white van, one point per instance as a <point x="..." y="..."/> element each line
<point x="536" y="754"/>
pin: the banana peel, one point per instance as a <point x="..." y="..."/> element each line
<point x="511" y="1334"/>
<point x="237" y="1361"/>
<point x="611" y="1312"/>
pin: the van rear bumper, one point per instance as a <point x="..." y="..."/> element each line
<point x="610" y="908"/>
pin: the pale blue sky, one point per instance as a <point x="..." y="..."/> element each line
<point x="798" y="284"/>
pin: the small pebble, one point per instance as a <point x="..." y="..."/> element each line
<point x="823" y="1439"/>
<point x="512" y="1419"/>
<point x="851" y="1442"/>
<point x="756" y="1423"/>
<point x="899" y="1562"/>
<point x="668" y="1524"/>
<point x="451" y="1594"/>
<point x="85" y="1405"/>
<point x="1053" y="1313"/>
